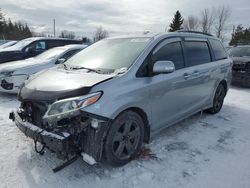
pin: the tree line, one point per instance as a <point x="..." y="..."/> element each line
<point x="213" y="21"/>
<point x="240" y="36"/>
<point x="13" y="30"/>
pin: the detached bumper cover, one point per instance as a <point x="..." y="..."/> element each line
<point x="54" y="142"/>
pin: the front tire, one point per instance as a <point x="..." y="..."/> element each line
<point x="124" y="139"/>
<point x="218" y="100"/>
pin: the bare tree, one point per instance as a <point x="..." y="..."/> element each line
<point x="207" y="20"/>
<point x="67" y="34"/>
<point x="222" y="16"/>
<point x="191" y="23"/>
<point x="100" y="34"/>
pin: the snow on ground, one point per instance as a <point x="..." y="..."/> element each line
<point x="201" y="151"/>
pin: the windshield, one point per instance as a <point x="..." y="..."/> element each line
<point x="50" y="54"/>
<point x="21" y="44"/>
<point x="109" y="54"/>
<point x="239" y="51"/>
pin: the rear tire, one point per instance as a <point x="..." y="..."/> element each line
<point x="124" y="139"/>
<point x="218" y="100"/>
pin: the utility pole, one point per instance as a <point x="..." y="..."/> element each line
<point x="54" y="22"/>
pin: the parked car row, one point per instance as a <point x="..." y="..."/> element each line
<point x="106" y="100"/>
<point x="20" y="60"/>
<point x="13" y="74"/>
<point x="31" y="47"/>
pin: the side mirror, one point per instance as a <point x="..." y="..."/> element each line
<point x="60" y="61"/>
<point x="163" y="67"/>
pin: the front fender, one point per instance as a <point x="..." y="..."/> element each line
<point x="117" y="98"/>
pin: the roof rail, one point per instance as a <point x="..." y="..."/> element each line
<point x="197" y="32"/>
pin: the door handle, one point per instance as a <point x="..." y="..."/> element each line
<point x="186" y="75"/>
<point x="196" y="73"/>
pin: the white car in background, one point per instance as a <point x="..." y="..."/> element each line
<point x="13" y="74"/>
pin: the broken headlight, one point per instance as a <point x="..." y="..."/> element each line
<point x="70" y="105"/>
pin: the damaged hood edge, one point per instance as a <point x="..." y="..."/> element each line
<point x="56" y="84"/>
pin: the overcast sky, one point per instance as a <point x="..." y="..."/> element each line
<point x="116" y="16"/>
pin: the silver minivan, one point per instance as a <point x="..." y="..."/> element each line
<point x="108" y="99"/>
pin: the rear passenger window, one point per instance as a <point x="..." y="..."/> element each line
<point x="218" y="49"/>
<point x="170" y="52"/>
<point x="197" y="52"/>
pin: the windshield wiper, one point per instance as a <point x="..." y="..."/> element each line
<point x="121" y="70"/>
<point x="89" y="69"/>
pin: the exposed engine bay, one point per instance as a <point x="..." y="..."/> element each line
<point x="78" y="133"/>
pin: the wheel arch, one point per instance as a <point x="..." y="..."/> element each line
<point x="224" y="83"/>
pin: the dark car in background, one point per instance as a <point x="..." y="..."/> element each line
<point x="241" y="65"/>
<point x="31" y="47"/>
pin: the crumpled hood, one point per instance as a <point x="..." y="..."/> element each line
<point x="21" y="64"/>
<point x="57" y="83"/>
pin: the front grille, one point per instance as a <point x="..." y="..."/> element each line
<point x="239" y="67"/>
<point x="35" y="111"/>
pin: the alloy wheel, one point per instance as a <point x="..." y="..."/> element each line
<point x="126" y="139"/>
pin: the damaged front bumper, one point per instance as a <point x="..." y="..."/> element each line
<point x="87" y="142"/>
<point x="54" y="142"/>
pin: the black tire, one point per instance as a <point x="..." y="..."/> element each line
<point x="124" y="139"/>
<point x="218" y="100"/>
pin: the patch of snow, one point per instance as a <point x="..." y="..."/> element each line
<point x="202" y="151"/>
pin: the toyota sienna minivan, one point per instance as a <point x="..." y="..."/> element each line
<point x="108" y="99"/>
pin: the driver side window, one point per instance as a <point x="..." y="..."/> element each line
<point x="170" y="52"/>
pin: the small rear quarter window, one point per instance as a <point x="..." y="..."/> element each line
<point x="218" y="49"/>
